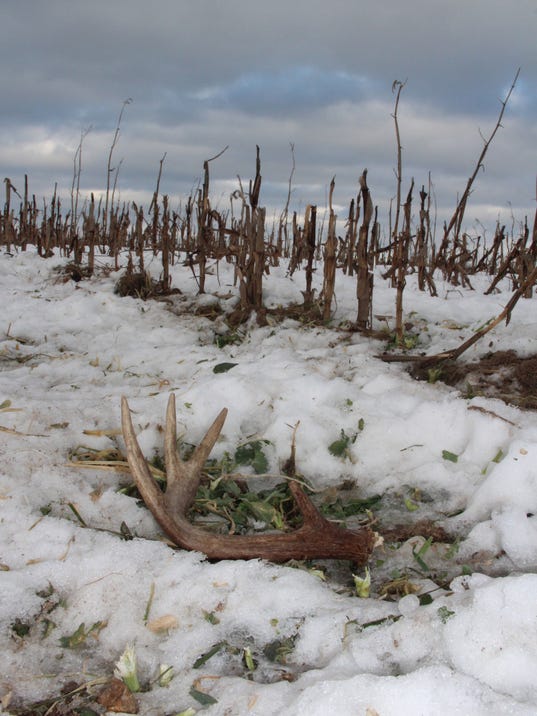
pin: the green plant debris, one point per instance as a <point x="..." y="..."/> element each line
<point x="76" y="514"/>
<point x="202" y="697"/>
<point x="149" y="602"/>
<point x="20" y="628"/>
<point x="339" y="509"/>
<point x="78" y="637"/>
<point x="362" y="585"/>
<point x="499" y="456"/>
<point x="421" y="552"/>
<point x="239" y="506"/>
<point x="210" y="617"/>
<point x="453" y="549"/>
<point x="48" y="627"/>
<point x="248" y="659"/>
<point x="251" y="453"/>
<point x="411" y="505"/>
<point x="425" y="599"/>
<point x="223" y="367"/>
<point x="445" y="614"/>
<point x="407" y="342"/>
<point x="434" y="374"/>
<point x="278" y="651"/>
<point x="204" y="658"/>
<point x="450" y="456"/>
<point x="231" y="338"/>
<point x="341" y="447"/>
<point x="126" y="669"/>
<point x="359" y="627"/>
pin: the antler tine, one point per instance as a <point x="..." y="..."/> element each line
<point x="146" y="484"/>
<point x="183" y="476"/>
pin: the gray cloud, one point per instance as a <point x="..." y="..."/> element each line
<point x="296" y="89"/>
<point x="216" y="72"/>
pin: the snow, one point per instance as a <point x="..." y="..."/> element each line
<point x="68" y="352"/>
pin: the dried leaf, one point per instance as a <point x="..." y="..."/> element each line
<point x="116" y="697"/>
<point x="163" y="624"/>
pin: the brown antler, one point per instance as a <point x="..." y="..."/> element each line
<point x="316" y="538"/>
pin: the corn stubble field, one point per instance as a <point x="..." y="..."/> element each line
<point x="201" y="236"/>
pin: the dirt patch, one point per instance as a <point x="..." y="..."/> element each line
<point x="501" y="374"/>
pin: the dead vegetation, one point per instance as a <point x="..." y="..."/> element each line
<point x="501" y="374"/>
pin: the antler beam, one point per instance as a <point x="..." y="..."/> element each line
<point x="316" y="538"/>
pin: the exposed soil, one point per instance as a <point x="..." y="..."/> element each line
<point x="501" y="374"/>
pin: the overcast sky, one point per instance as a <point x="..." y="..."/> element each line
<point x="203" y="74"/>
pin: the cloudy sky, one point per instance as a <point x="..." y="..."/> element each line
<point x="204" y="74"/>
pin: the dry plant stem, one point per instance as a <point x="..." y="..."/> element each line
<point x="401" y="264"/>
<point x="399" y="173"/>
<point x="109" y="163"/>
<point x="456" y="219"/>
<point x="317" y="538"/>
<point x="329" y="258"/>
<point x="364" y="276"/>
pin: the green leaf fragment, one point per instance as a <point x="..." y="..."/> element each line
<point x="202" y="698"/>
<point x="340" y="448"/>
<point x="248" y="659"/>
<point x="20" y="628"/>
<point x="410" y="505"/>
<point x="223" y="367"/>
<point x="78" y="637"/>
<point x="451" y="456"/>
<point x="48" y="626"/>
<point x="363" y="584"/>
<point x="204" y="658"/>
<point x="425" y="599"/>
<point x="251" y="453"/>
<point x="499" y="456"/>
<point x="279" y="649"/>
<point x="444" y="613"/>
<point x="211" y="617"/>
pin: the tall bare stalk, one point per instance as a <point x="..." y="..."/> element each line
<point x="364" y="276"/>
<point x="329" y="258"/>
<point x="455" y="222"/>
<point x="109" y="168"/>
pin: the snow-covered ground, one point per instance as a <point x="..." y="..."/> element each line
<point x="68" y="352"/>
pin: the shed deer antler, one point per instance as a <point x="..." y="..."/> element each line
<point x="316" y="538"/>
